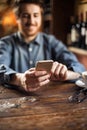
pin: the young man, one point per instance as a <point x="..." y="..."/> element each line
<point x="20" y="51"/>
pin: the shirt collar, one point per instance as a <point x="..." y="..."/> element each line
<point x="37" y="40"/>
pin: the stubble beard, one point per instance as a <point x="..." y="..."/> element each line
<point x="31" y="33"/>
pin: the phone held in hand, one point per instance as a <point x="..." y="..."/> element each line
<point x="44" y="65"/>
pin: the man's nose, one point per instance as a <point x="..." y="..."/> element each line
<point x="31" y="19"/>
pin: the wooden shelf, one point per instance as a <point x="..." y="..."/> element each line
<point x="78" y="51"/>
<point x="80" y="54"/>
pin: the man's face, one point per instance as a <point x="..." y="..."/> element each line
<point x="30" y="20"/>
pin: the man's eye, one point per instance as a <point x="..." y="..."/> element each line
<point x="25" y="16"/>
<point x="36" y="15"/>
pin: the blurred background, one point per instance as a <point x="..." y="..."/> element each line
<point x="7" y="18"/>
<point x="59" y="18"/>
<point x="66" y="19"/>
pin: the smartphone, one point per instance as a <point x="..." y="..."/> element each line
<point x="44" y="65"/>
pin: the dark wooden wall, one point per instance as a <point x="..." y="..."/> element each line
<point x="62" y="10"/>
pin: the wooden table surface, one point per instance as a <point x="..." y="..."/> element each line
<point x="45" y="109"/>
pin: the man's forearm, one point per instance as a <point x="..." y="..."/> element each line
<point x="16" y="79"/>
<point x="72" y="75"/>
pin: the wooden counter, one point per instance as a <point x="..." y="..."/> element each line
<point x="46" y="109"/>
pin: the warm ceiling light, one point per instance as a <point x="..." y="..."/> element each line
<point x="9" y="19"/>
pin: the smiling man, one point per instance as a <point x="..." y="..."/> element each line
<point x="29" y="20"/>
<point x="20" y="51"/>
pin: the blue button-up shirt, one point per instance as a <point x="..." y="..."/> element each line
<point x="18" y="56"/>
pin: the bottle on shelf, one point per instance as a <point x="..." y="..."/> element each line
<point x="75" y="32"/>
<point x="86" y="29"/>
<point x="71" y="35"/>
<point x="79" y="31"/>
<point x="83" y="31"/>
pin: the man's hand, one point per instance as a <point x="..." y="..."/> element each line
<point x="58" y="72"/>
<point x="31" y="80"/>
<point x="61" y="73"/>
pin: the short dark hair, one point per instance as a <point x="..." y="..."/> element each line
<point x="18" y="3"/>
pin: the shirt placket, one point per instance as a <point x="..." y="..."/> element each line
<point x="30" y="49"/>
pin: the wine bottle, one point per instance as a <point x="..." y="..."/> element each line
<point x="71" y="34"/>
<point x="86" y="30"/>
<point x="83" y="31"/>
<point x="78" y="30"/>
<point x="75" y="32"/>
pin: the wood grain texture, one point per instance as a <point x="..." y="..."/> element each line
<point x="46" y="109"/>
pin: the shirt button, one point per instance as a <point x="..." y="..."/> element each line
<point x="31" y="62"/>
<point x="30" y="49"/>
